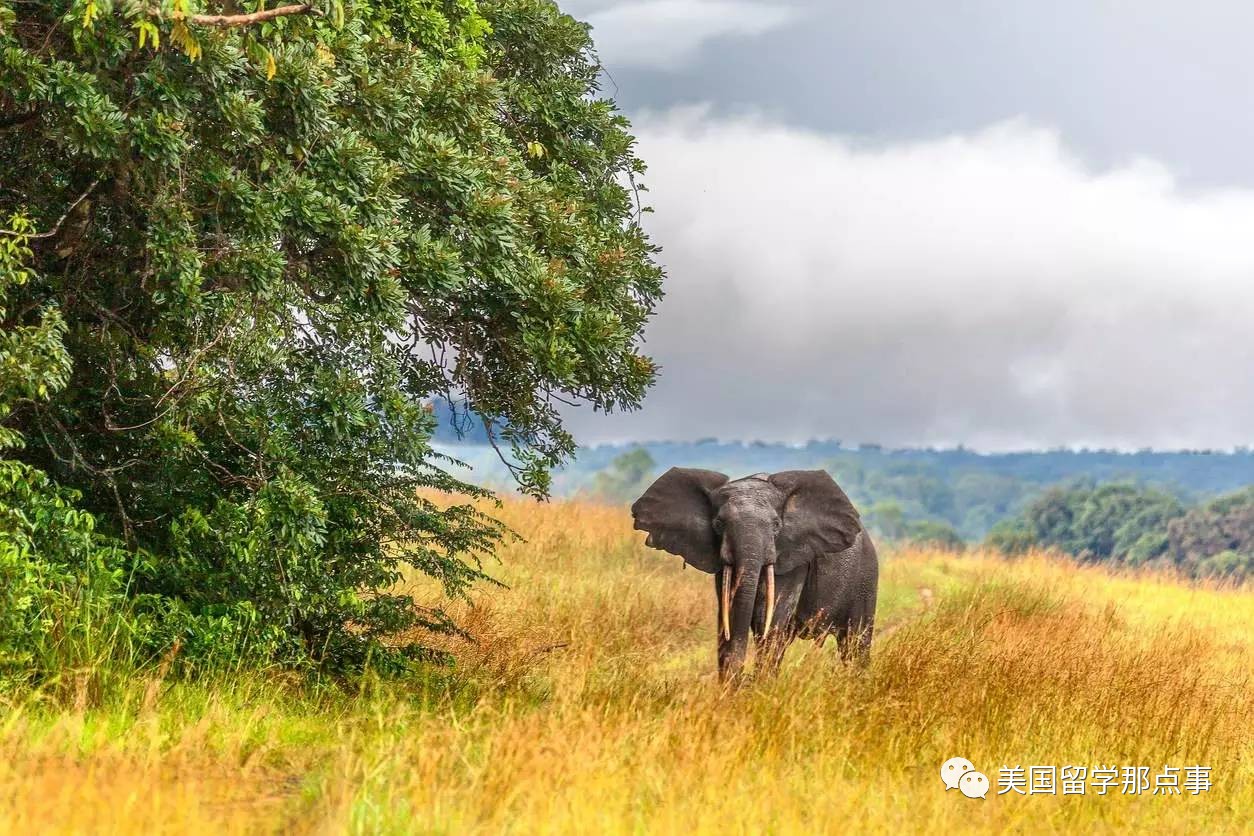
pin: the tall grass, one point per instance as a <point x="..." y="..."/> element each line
<point x="586" y="701"/>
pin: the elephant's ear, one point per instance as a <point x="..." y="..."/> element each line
<point x="817" y="516"/>
<point x="677" y="512"/>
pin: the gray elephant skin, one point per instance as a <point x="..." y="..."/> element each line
<point x="788" y="552"/>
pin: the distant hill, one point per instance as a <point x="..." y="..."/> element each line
<point x="967" y="490"/>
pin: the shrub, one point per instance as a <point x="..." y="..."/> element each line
<point x="61" y="583"/>
<point x="936" y="534"/>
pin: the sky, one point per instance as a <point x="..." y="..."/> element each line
<point x="1007" y="225"/>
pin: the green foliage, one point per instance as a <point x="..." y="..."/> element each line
<point x="936" y="534"/>
<point x="627" y="477"/>
<point x="61" y="582"/>
<point x="913" y="494"/>
<point x="1115" y="521"/>
<point x="966" y="498"/>
<point x="1216" y="538"/>
<point x="967" y="490"/>
<point x="888" y="521"/>
<point x="1136" y="526"/>
<point x="33" y="361"/>
<point x="265" y="248"/>
<point x="886" y="518"/>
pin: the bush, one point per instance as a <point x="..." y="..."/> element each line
<point x="936" y="534"/>
<point x="627" y="476"/>
<point x="61" y="583"/>
<point x="1217" y="538"/>
<point x="1113" y="521"/>
<point x="1138" y="526"/>
<point x="62" y="586"/>
<point x="1012" y="536"/>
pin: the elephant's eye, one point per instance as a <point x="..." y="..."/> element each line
<point x="718" y="525"/>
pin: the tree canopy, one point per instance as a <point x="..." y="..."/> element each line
<point x="253" y="248"/>
<point x="1136" y="526"/>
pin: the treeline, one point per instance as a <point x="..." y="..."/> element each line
<point x="912" y="499"/>
<point x="902" y="491"/>
<point x="1138" y="526"/>
<point x="628" y="475"/>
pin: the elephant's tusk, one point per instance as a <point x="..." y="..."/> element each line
<point x="725" y="604"/>
<point x="770" y="597"/>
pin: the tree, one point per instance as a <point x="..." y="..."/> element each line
<point x="272" y="237"/>
<point x="626" y="478"/>
<point x="1109" y="522"/>
<point x="886" y="519"/>
<point x="1216" y="538"/>
<point x="936" y="534"/>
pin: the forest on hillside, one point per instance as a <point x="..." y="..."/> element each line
<point x="966" y="489"/>
<point x="1190" y="509"/>
<point x="1158" y="509"/>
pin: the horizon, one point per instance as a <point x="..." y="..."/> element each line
<point x="1237" y="450"/>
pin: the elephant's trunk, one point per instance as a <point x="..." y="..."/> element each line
<point x="744" y="559"/>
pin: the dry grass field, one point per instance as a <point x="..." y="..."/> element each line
<point x="588" y="704"/>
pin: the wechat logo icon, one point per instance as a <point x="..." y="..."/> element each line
<point x="961" y="774"/>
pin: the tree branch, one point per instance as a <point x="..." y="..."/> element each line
<point x="61" y="220"/>
<point x="230" y="21"/>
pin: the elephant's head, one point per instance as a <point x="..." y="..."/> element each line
<point x="744" y="531"/>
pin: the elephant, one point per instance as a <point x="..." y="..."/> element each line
<point x="788" y="552"/>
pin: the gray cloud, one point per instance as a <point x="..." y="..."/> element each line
<point x="1159" y="77"/>
<point x="666" y="34"/>
<point x="985" y="287"/>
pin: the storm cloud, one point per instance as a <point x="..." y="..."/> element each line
<point x="986" y="287"/>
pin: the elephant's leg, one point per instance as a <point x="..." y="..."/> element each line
<point x="842" y="642"/>
<point x="773" y="639"/>
<point x="854" y="640"/>
<point x="861" y="624"/>
<point x="862" y="655"/>
<point x="868" y="595"/>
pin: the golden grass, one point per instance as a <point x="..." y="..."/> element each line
<point x="588" y="703"/>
